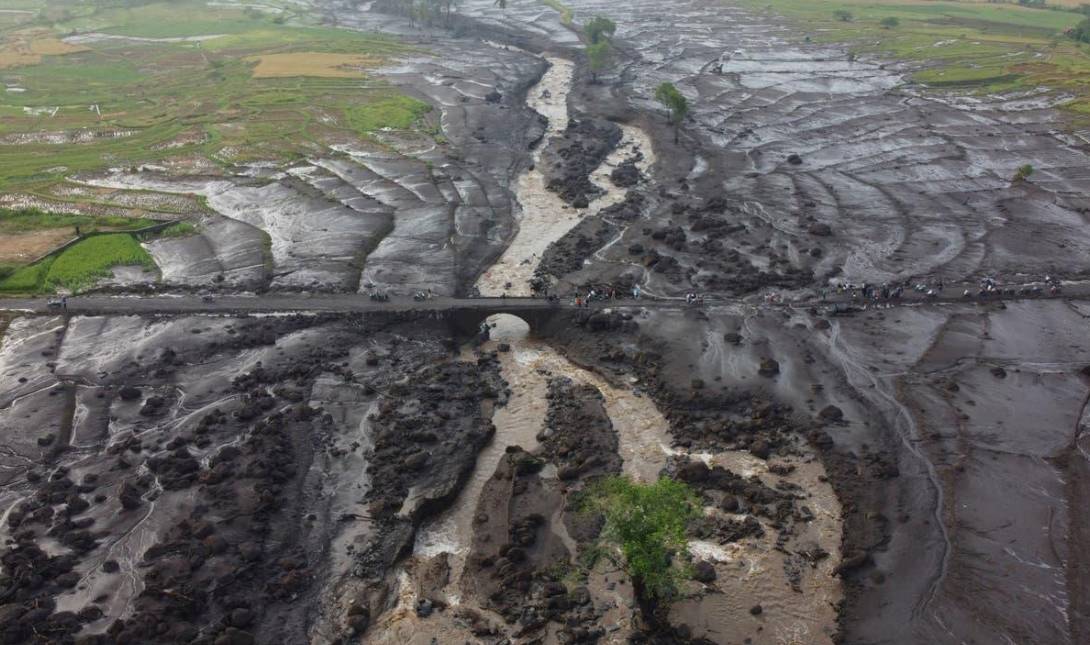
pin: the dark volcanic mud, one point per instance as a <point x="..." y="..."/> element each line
<point x="178" y="497"/>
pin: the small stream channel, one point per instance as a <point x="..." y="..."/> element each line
<point x="545" y="217"/>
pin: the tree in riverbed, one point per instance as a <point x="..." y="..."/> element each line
<point x="598" y="56"/>
<point x="674" y="101"/>
<point x="646" y="524"/>
<point x="599" y="29"/>
<point x="599" y="48"/>
<point x="889" y="22"/>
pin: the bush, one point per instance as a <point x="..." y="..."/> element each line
<point x="842" y="15"/>
<point x="178" y="229"/>
<point x="1023" y="173"/>
<point x="889" y="22"/>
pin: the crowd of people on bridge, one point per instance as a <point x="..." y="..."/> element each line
<point x="935" y="287"/>
<point x="865" y="293"/>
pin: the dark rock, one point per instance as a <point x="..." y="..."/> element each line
<point x="424" y="608"/>
<point x="234" y="636"/>
<point x="416" y="461"/>
<point x="831" y="414"/>
<point x="626" y="174"/>
<point x="703" y="571"/>
<point x="358" y="623"/>
<point x="129" y="496"/>
<point x="241" y="617"/>
<point x="760" y="449"/>
<point x="153" y="406"/>
<point x="129" y="393"/>
<point x="250" y="551"/>
<point x="852" y="561"/>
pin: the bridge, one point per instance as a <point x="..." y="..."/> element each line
<point x="465" y="313"/>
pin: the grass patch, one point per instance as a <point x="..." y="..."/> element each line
<point x="394" y="112"/>
<point x="81" y="264"/>
<point x="13" y="222"/>
<point x="178" y="229"/>
<point x="979" y="46"/>
<point x="27" y="279"/>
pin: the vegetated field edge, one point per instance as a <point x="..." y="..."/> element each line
<point x="79" y="266"/>
<point x="981" y="47"/>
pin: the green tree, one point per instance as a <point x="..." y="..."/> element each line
<point x="889" y="22"/>
<point x="646" y="524"/>
<point x="842" y="15"/>
<point x="598" y="55"/>
<point x="674" y="101"/>
<point x="1080" y="32"/>
<point x="599" y="29"/>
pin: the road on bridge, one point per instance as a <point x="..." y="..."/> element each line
<point x="349" y="303"/>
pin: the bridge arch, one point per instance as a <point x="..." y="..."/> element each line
<point x="466" y="321"/>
